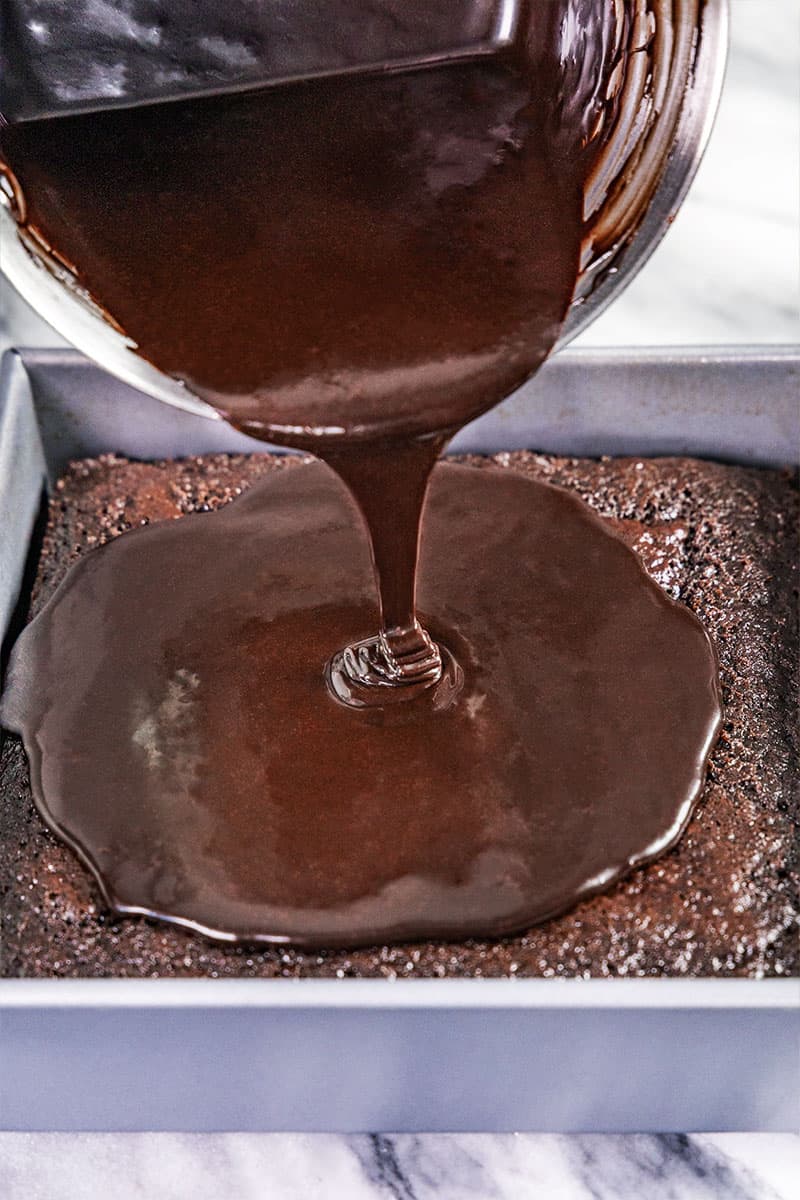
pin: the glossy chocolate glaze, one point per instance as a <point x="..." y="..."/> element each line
<point x="358" y="266"/>
<point x="367" y="258"/>
<point x="360" y="256"/>
<point x="182" y="736"/>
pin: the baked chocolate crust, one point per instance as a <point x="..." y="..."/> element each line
<point x="724" y="902"/>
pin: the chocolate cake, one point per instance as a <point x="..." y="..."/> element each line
<point x="721" y="539"/>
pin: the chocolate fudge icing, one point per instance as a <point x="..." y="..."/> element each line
<point x="374" y="255"/>
<point x="722" y="902"/>
<point x="228" y="789"/>
<point x="357" y="265"/>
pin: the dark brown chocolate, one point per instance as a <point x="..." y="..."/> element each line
<point x="358" y="265"/>
<point x="364" y="255"/>
<point x="723" y="902"/>
<point x="227" y="789"/>
<point x="343" y="261"/>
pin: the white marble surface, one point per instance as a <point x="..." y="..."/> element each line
<point x="445" y="1167"/>
<point x="728" y="271"/>
<point x="729" y="268"/>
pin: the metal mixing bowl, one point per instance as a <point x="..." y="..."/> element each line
<point x="663" y="109"/>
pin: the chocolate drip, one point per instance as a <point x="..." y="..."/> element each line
<point x="225" y="788"/>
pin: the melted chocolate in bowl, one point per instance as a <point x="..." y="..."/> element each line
<point x="358" y="266"/>
<point x="353" y="257"/>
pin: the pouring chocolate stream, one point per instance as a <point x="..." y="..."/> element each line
<point x="356" y="266"/>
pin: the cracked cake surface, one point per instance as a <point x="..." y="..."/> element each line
<point x="724" y="902"/>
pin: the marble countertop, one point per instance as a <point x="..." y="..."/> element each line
<point x="728" y="272"/>
<point x="729" y="268"/>
<point x="407" y="1167"/>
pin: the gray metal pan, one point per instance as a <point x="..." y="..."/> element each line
<point x="561" y="1055"/>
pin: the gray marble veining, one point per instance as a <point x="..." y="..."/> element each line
<point x="407" y="1167"/>
<point x="729" y="268"/>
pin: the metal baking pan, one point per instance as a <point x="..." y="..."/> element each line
<point x="343" y="1055"/>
